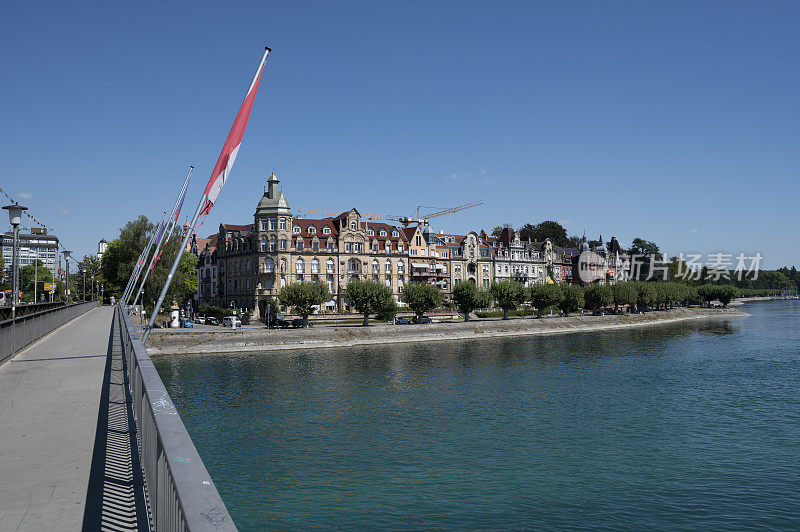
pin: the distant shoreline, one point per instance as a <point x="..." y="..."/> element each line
<point x="188" y="342"/>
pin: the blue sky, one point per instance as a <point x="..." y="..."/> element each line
<point x="674" y="121"/>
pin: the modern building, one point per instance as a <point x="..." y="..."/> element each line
<point x="36" y="245"/>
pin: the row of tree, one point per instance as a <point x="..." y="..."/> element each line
<point x="371" y="298"/>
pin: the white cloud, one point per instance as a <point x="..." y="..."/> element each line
<point x="456" y="176"/>
<point x="693" y="230"/>
<point x="62" y="210"/>
<point x="564" y="222"/>
<point x="25" y="195"/>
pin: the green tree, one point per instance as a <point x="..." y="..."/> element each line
<point x="122" y="253"/>
<point x="508" y="295"/>
<point x="573" y="299"/>
<point x="624" y="293"/>
<point x="646" y="294"/>
<point x="368" y="297"/>
<point x="598" y="296"/>
<point x="421" y="297"/>
<point x="497" y="231"/>
<point x="303" y="297"/>
<point x="35" y="272"/>
<point x="468" y="297"/>
<point x="2" y="270"/>
<point x="645" y="251"/>
<point x="542" y="296"/>
<point x="543" y="230"/>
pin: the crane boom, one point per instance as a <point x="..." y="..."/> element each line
<point x="405" y="220"/>
<point x="453" y="209"/>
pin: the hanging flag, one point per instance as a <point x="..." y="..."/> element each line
<point x="231" y="147"/>
<point x="157" y="240"/>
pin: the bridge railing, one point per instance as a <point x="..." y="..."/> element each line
<point x="26" y="329"/>
<point x="180" y="491"/>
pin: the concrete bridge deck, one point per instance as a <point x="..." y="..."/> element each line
<point x="68" y="456"/>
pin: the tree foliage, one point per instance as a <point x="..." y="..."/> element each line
<point x="303" y="297"/>
<point x="468" y="297"/>
<point x="421" y="297"/>
<point x="572" y="300"/>
<point x="543" y="230"/>
<point x="598" y="296"/>
<point x="369" y="297"/>
<point x="624" y="293"/>
<point x="508" y="295"/>
<point x="542" y="296"/>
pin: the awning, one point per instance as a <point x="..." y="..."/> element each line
<point x="419" y="265"/>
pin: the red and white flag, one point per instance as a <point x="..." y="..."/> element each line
<point x="234" y="140"/>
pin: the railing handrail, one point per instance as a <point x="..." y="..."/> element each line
<point x="22" y="317"/>
<point x="181" y="492"/>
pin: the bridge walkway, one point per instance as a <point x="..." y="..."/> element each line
<point x="68" y="451"/>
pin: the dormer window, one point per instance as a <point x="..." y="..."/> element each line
<point x="352" y="226"/>
<point x="312" y="229"/>
<point x="383" y="232"/>
<point x="371" y="232"/>
<point x="394" y="233"/>
<point x="326" y="230"/>
<point x="296" y="229"/>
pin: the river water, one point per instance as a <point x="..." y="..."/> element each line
<point x="680" y="427"/>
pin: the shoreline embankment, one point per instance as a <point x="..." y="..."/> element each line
<point x="197" y="342"/>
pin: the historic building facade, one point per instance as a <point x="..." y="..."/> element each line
<point x="429" y="258"/>
<point x="255" y="261"/>
<point x="515" y="260"/>
<point x="470" y="259"/>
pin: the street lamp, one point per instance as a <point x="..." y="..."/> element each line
<point x="14" y="218"/>
<point x="66" y="262"/>
<point x="83" y="270"/>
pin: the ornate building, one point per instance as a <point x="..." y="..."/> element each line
<point x="255" y="261"/>
<point x="517" y="260"/>
<point x="470" y="259"/>
<point x="429" y="257"/>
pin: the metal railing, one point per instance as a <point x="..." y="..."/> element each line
<point x="180" y="491"/>
<point x="24" y="330"/>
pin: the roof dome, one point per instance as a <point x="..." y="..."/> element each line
<point x="584" y="246"/>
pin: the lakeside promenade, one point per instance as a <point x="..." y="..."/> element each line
<point x="65" y="451"/>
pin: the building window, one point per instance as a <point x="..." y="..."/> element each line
<point x="315" y="266"/>
<point x="394" y="233"/>
<point x="330" y="247"/>
<point x="353" y="266"/>
<point x="299" y="244"/>
<point x="283" y="224"/>
<point x="329" y="280"/>
<point x="273" y="224"/>
<point x="264" y="224"/>
<point x="329" y="266"/>
<point x="352" y="226"/>
<point x="315" y="246"/>
<point x="374" y="247"/>
<point x="296" y="229"/>
<point x="273" y="244"/>
<point x="283" y="244"/>
<point x="388" y="267"/>
<point x="400" y="268"/>
<point x="388" y="282"/>
<point x="326" y="230"/>
<point x="418" y="240"/>
<point x="312" y="229"/>
<point x="371" y="232"/>
<point x="400" y="282"/>
<point x="299" y="266"/>
<point x="375" y="266"/>
<point x="383" y="232"/>
<point x="400" y="247"/>
<point x="348" y="247"/>
<point x="388" y="247"/>
<point x="264" y="244"/>
<point x="269" y="265"/>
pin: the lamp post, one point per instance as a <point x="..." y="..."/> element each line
<point x="83" y="270"/>
<point x="66" y="263"/>
<point x="14" y="218"/>
<point x="92" y="286"/>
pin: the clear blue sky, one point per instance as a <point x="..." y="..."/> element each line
<point x="675" y="121"/>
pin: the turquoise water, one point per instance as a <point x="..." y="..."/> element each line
<point x="683" y="427"/>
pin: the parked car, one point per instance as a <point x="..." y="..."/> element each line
<point x="282" y="323"/>
<point x="422" y="319"/>
<point x="201" y="320"/>
<point x="229" y="321"/>
<point x="211" y="320"/>
<point x="402" y="321"/>
<point x="186" y="324"/>
<point x="298" y="322"/>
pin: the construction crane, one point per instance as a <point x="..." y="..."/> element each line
<point x="405" y="220"/>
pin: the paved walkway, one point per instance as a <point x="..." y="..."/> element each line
<point x="65" y="435"/>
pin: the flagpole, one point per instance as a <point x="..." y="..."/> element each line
<point x="144" y="259"/>
<point x="136" y="267"/>
<point x="177" y="260"/>
<point x="162" y="240"/>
